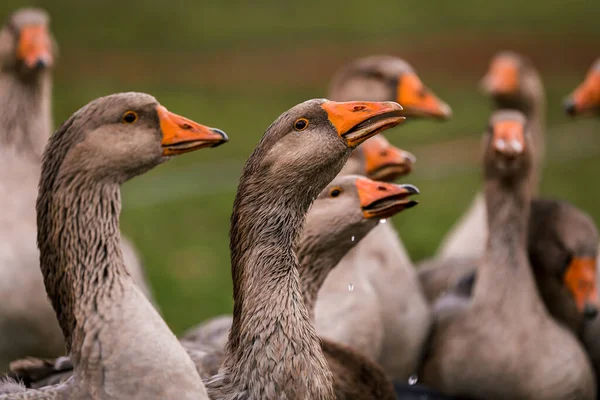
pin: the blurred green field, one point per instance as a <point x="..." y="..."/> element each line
<point x="237" y="66"/>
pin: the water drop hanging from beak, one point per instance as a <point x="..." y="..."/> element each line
<point x="352" y="239"/>
<point x="413" y="379"/>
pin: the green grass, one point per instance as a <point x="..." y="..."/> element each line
<point x="237" y="67"/>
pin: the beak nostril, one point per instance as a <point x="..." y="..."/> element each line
<point x="186" y="127"/>
<point x="359" y="108"/>
<point x="382" y="188"/>
<point x="384" y="153"/>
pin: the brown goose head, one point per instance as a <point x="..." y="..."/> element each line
<point x="385" y="78"/>
<point x="585" y="100"/>
<point x="26" y="43"/>
<point x="347" y="209"/>
<point x="507" y="146"/>
<point x="116" y="137"/>
<point x="312" y="140"/>
<point x="512" y="82"/>
<point x="379" y="160"/>
<point x="562" y="249"/>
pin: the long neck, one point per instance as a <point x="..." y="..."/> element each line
<point x="272" y="337"/>
<point x="505" y="271"/>
<point x="80" y="256"/>
<point x="317" y="260"/>
<point x="25" y="112"/>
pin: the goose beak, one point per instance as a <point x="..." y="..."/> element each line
<point x="418" y="100"/>
<point x="502" y="78"/>
<point x="586" y="98"/>
<point x="35" y="47"/>
<point x="580" y="279"/>
<point x="356" y="121"/>
<point x="508" y="138"/>
<point x="181" y="135"/>
<point x="385" y="162"/>
<point x="383" y="200"/>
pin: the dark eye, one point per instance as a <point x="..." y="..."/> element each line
<point x="130" y="117"/>
<point x="335" y="192"/>
<point x="301" y="124"/>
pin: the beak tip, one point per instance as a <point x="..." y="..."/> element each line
<point x="223" y="135"/>
<point x="411" y="189"/>
<point x="570" y="107"/>
<point x="590" y="311"/>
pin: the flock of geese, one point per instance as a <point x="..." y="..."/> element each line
<point x="506" y="310"/>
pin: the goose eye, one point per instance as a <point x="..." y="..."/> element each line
<point x="130" y="117"/>
<point x="301" y="124"/>
<point x="335" y="192"/>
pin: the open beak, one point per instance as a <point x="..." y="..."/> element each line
<point x="502" y="78"/>
<point x="181" y="135"/>
<point x="35" y="47"/>
<point x="580" y="279"/>
<point x="418" y="100"/>
<point x="385" y="162"/>
<point x="508" y="138"/>
<point x="356" y="121"/>
<point x="586" y="98"/>
<point x="382" y="199"/>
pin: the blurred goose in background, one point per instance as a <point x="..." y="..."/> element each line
<point x="112" y="332"/>
<point x="27" y="55"/>
<point x="505" y="344"/>
<point x="273" y="350"/>
<point x="512" y="82"/>
<point x="387" y="317"/>
<point x="585" y="100"/>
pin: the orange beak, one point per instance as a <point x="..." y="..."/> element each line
<point x="383" y="200"/>
<point x="356" y="121"/>
<point x="418" y="100"/>
<point x="502" y="78"/>
<point x="509" y="138"/>
<point x="580" y="279"/>
<point x="385" y="162"/>
<point x="35" y="46"/>
<point x="181" y="135"/>
<point x="586" y="98"/>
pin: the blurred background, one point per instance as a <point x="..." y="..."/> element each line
<point x="237" y="65"/>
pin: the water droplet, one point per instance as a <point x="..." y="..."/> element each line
<point x="382" y="221"/>
<point x="412" y="379"/>
<point x="351" y="287"/>
<point x="352" y="238"/>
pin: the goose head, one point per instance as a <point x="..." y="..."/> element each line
<point x="585" y="100"/>
<point x="385" y="78"/>
<point x="512" y="82"/>
<point x="507" y="145"/>
<point x="379" y="160"/>
<point x="350" y="207"/>
<point x="26" y="43"/>
<point x="117" y="137"/>
<point x="309" y="144"/>
<point x="563" y="247"/>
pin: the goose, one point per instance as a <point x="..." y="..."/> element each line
<point x="113" y="334"/>
<point x="390" y="319"/>
<point x="273" y="350"/>
<point x="512" y="82"/>
<point x="27" y="56"/>
<point x="505" y="344"/>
